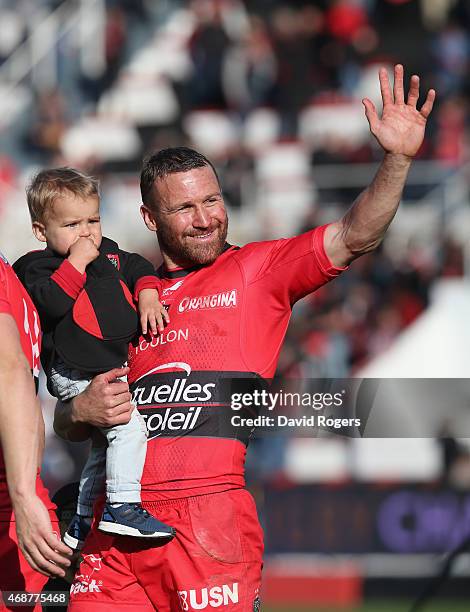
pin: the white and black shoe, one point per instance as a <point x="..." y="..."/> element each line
<point x="133" y="520"/>
<point x="77" y="531"/>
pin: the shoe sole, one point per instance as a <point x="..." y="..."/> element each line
<point x="72" y="542"/>
<point x="119" y="529"/>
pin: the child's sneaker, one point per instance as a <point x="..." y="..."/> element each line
<point x="133" y="520"/>
<point x="77" y="531"/>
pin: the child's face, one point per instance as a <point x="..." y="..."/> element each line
<point x="69" y="219"/>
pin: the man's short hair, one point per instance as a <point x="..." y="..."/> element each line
<point x="168" y="161"/>
<point x="46" y="186"/>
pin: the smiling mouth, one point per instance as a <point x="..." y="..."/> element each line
<point x="203" y="236"/>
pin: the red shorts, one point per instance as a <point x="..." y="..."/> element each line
<point x="214" y="561"/>
<point x="15" y="572"/>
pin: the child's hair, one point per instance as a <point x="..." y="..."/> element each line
<point x="47" y="185"/>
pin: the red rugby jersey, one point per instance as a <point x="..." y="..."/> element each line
<point x="228" y="320"/>
<point x="15" y="301"/>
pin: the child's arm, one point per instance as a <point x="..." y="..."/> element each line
<point x="55" y="284"/>
<point x="139" y="273"/>
<point x="152" y="313"/>
<point x="144" y="284"/>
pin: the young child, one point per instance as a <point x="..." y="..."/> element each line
<point x="83" y="287"/>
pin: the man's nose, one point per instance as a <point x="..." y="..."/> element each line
<point x="201" y="217"/>
<point x="85" y="230"/>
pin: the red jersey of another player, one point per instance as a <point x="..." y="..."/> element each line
<point x="228" y="320"/>
<point x="15" y="301"/>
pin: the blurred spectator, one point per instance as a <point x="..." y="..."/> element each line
<point x="293" y="45"/>
<point x="48" y="125"/>
<point x="451" y="51"/>
<point x="115" y="50"/>
<point x="207" y="48"/>
<point x="250" y="69"/>
<point x="451" y="146"/>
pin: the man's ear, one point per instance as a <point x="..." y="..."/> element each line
<point x="149" y="218"/>
<point x="39" y="231"/>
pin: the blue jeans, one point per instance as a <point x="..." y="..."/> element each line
<point x="117" y="461"/>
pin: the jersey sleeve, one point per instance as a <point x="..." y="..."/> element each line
<point x="290" y="268"/>
<point x="4" y="302"/>
<point x="139" y="274"/>
<point x="53" y="285"/>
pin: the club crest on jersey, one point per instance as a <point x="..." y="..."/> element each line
<point x="174" y="287"/>
<point x="114" y="259"/>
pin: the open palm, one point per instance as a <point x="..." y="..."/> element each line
<point x="400" y="130"/>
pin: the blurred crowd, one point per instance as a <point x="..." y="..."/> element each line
<point x="275" y="54"/>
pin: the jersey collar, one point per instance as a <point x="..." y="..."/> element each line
<point x="180" y="272"/>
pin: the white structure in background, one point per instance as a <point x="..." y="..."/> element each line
<point x="285" y="188"/>
<point x="319" y="123"/>
<point x="261" y="128"/>
<point x="212" y="132"/>
<point x="437" y="345"/>
<point x="102" y="139"/>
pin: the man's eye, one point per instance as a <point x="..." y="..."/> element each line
<point x="71" y="225"/>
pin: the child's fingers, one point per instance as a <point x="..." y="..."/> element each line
<point x="143" y="323"/>
<point x="160" y="323"/>
<point x="153" y="323"/>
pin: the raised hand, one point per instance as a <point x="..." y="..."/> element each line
<point x="400" y="130"/>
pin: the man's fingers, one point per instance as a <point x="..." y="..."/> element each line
<point x="110" y="376"/>
<point x="39" y="569"/>
<point x="119" y="387"/>
<point x="123" y="417"/>
<point x="371" y="114"/>
<point x="120" y="400"/>
<point x="143" y="324"/>
<point x="50" y="554"/>
<point x="413" y="93"/>
<point x="57" y="545"/>
<point x="398" y="92"/>
<point x="165" y="315"/>
<point x="385" y="87"/>
<point x="428" y="104"/>
<point x="42" y="564"/>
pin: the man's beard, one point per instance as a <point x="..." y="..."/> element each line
<point x="186" y="252"/>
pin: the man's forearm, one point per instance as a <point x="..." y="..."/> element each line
<point x="364" y="225"/>
<point x="67" y="423"/>
<point x="20" y="428"/>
